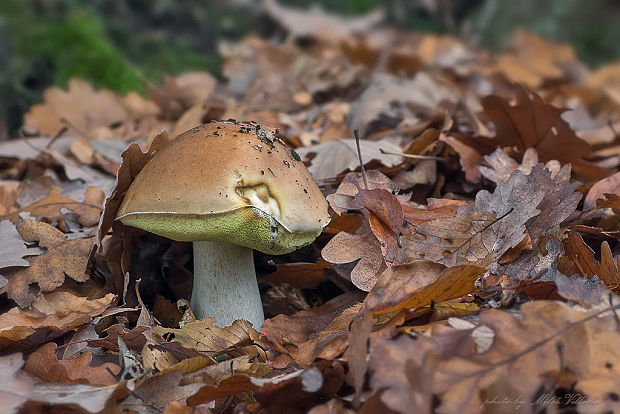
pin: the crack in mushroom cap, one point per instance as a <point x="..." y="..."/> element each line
<point x="228" y="181"/>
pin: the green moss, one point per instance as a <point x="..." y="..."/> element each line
<point x="245" y="227"/>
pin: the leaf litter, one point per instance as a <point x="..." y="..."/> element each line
<point x="485" y="271"/>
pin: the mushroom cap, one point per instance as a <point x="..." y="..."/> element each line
<point x="228" y="181"/>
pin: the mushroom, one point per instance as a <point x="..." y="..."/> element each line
<point x="228" y="187"/>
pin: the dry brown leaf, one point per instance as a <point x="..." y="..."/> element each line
<point x="300" y="275"/>
<point x="16" y="388"/>
<point x="180" y="93"/>
<point x="367" y="250"/>
<point x="525" y="360"/>
<point x="44" y="364"/>
<point x="63" y="257"/>
<point x="587" y="265"/>
<point x="50" y="208"/>
<point x="332" y="158"/>
<point x="384" y="104"/>
<point x="204" y="336"/>
<point x="609" y="185"/>
<point x="533" y="123"/>
<point x="502" y="165"/>
<point x="355" y="355"/>
<point x="50" y="316"/>
<point x="12" y="247"/>
<point x="81" y="105"/>
<point x="532" y="59"/>
<point x="287" y="334"/>
<point x="133" y="162"/>
<point x="402" y="369"/>
<point x="419" y="284"/>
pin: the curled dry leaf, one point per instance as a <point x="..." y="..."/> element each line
<point x="533" y="123"/>
<point x="420" y="283"/>
<point x="339" y="250"/>
<point x="304" y="335"/>
<point x="587" y="265"/>
<point x="44" y="364"/>
<point x="50" y="316"/>
<point x="63" y="257"/>
<point x="133" y="162"/>
<point x="609" y="185"/>
<point x="204" y="336"/>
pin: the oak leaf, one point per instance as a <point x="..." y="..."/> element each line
<point x="44" y="364"/>
<point x="16" y="388"/>
<point x="533" y="123"/>
<point x="420" y="283"/>
<point x="46" y="272"/>
<point x="49" y="316"/>
<point x="204" y="336"/>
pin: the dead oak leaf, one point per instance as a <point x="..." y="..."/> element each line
<point x="51" y="208"/>
<point x="586" y="264"/>
<point x="331" y="158"/>
<point x="524" y="360"/>
<point x="12" y="247"/>
<point x="481" y="236"/>
<point x="133" y="162"/>
<point x="418" y="284"/>
<point x="610" y="185"/>
<point x="304" y="335"/>
<point x="16" y="388"/>
<point x="50" y="316"/>
<point x="362" y="246"/>
<point x="204" y="336"/>
<point x="46" y="272"/>
<point x="44" y="364"/>
<point x="501" y="165"/>
<point x="533" y="123"/>
<point x="84" y="107"/>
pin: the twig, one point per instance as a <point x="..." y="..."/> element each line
<point x="414" y="156"/>
<point x="356" y="133"/>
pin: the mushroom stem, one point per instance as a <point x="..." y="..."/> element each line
<point x="225" y="286"/>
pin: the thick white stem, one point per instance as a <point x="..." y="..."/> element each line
<point x="225" y="286"/>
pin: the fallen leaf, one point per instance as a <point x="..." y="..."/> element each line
<point x="50" y="316"/>
<point x="12" y="247"/>
<point x="44" y="364"/>
<point x="63" y="257"/>
<point x="523" y="359"/>
<point x="533" y="123"/>
<point x="81" y="105"/>
<point x="332" y="158"/>
<point x="418" y="284"/>
<point x="609" y="185"/>
<point x="204" y="336"/>
<point x="17" y="388"/>
<point x="587" y="265"/>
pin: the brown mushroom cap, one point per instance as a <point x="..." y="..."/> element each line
<point x="228" y="181"/>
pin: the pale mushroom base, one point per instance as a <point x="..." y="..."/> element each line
<point x="225" y="286"/>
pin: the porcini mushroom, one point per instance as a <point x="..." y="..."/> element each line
<point x="228" y="187"/>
